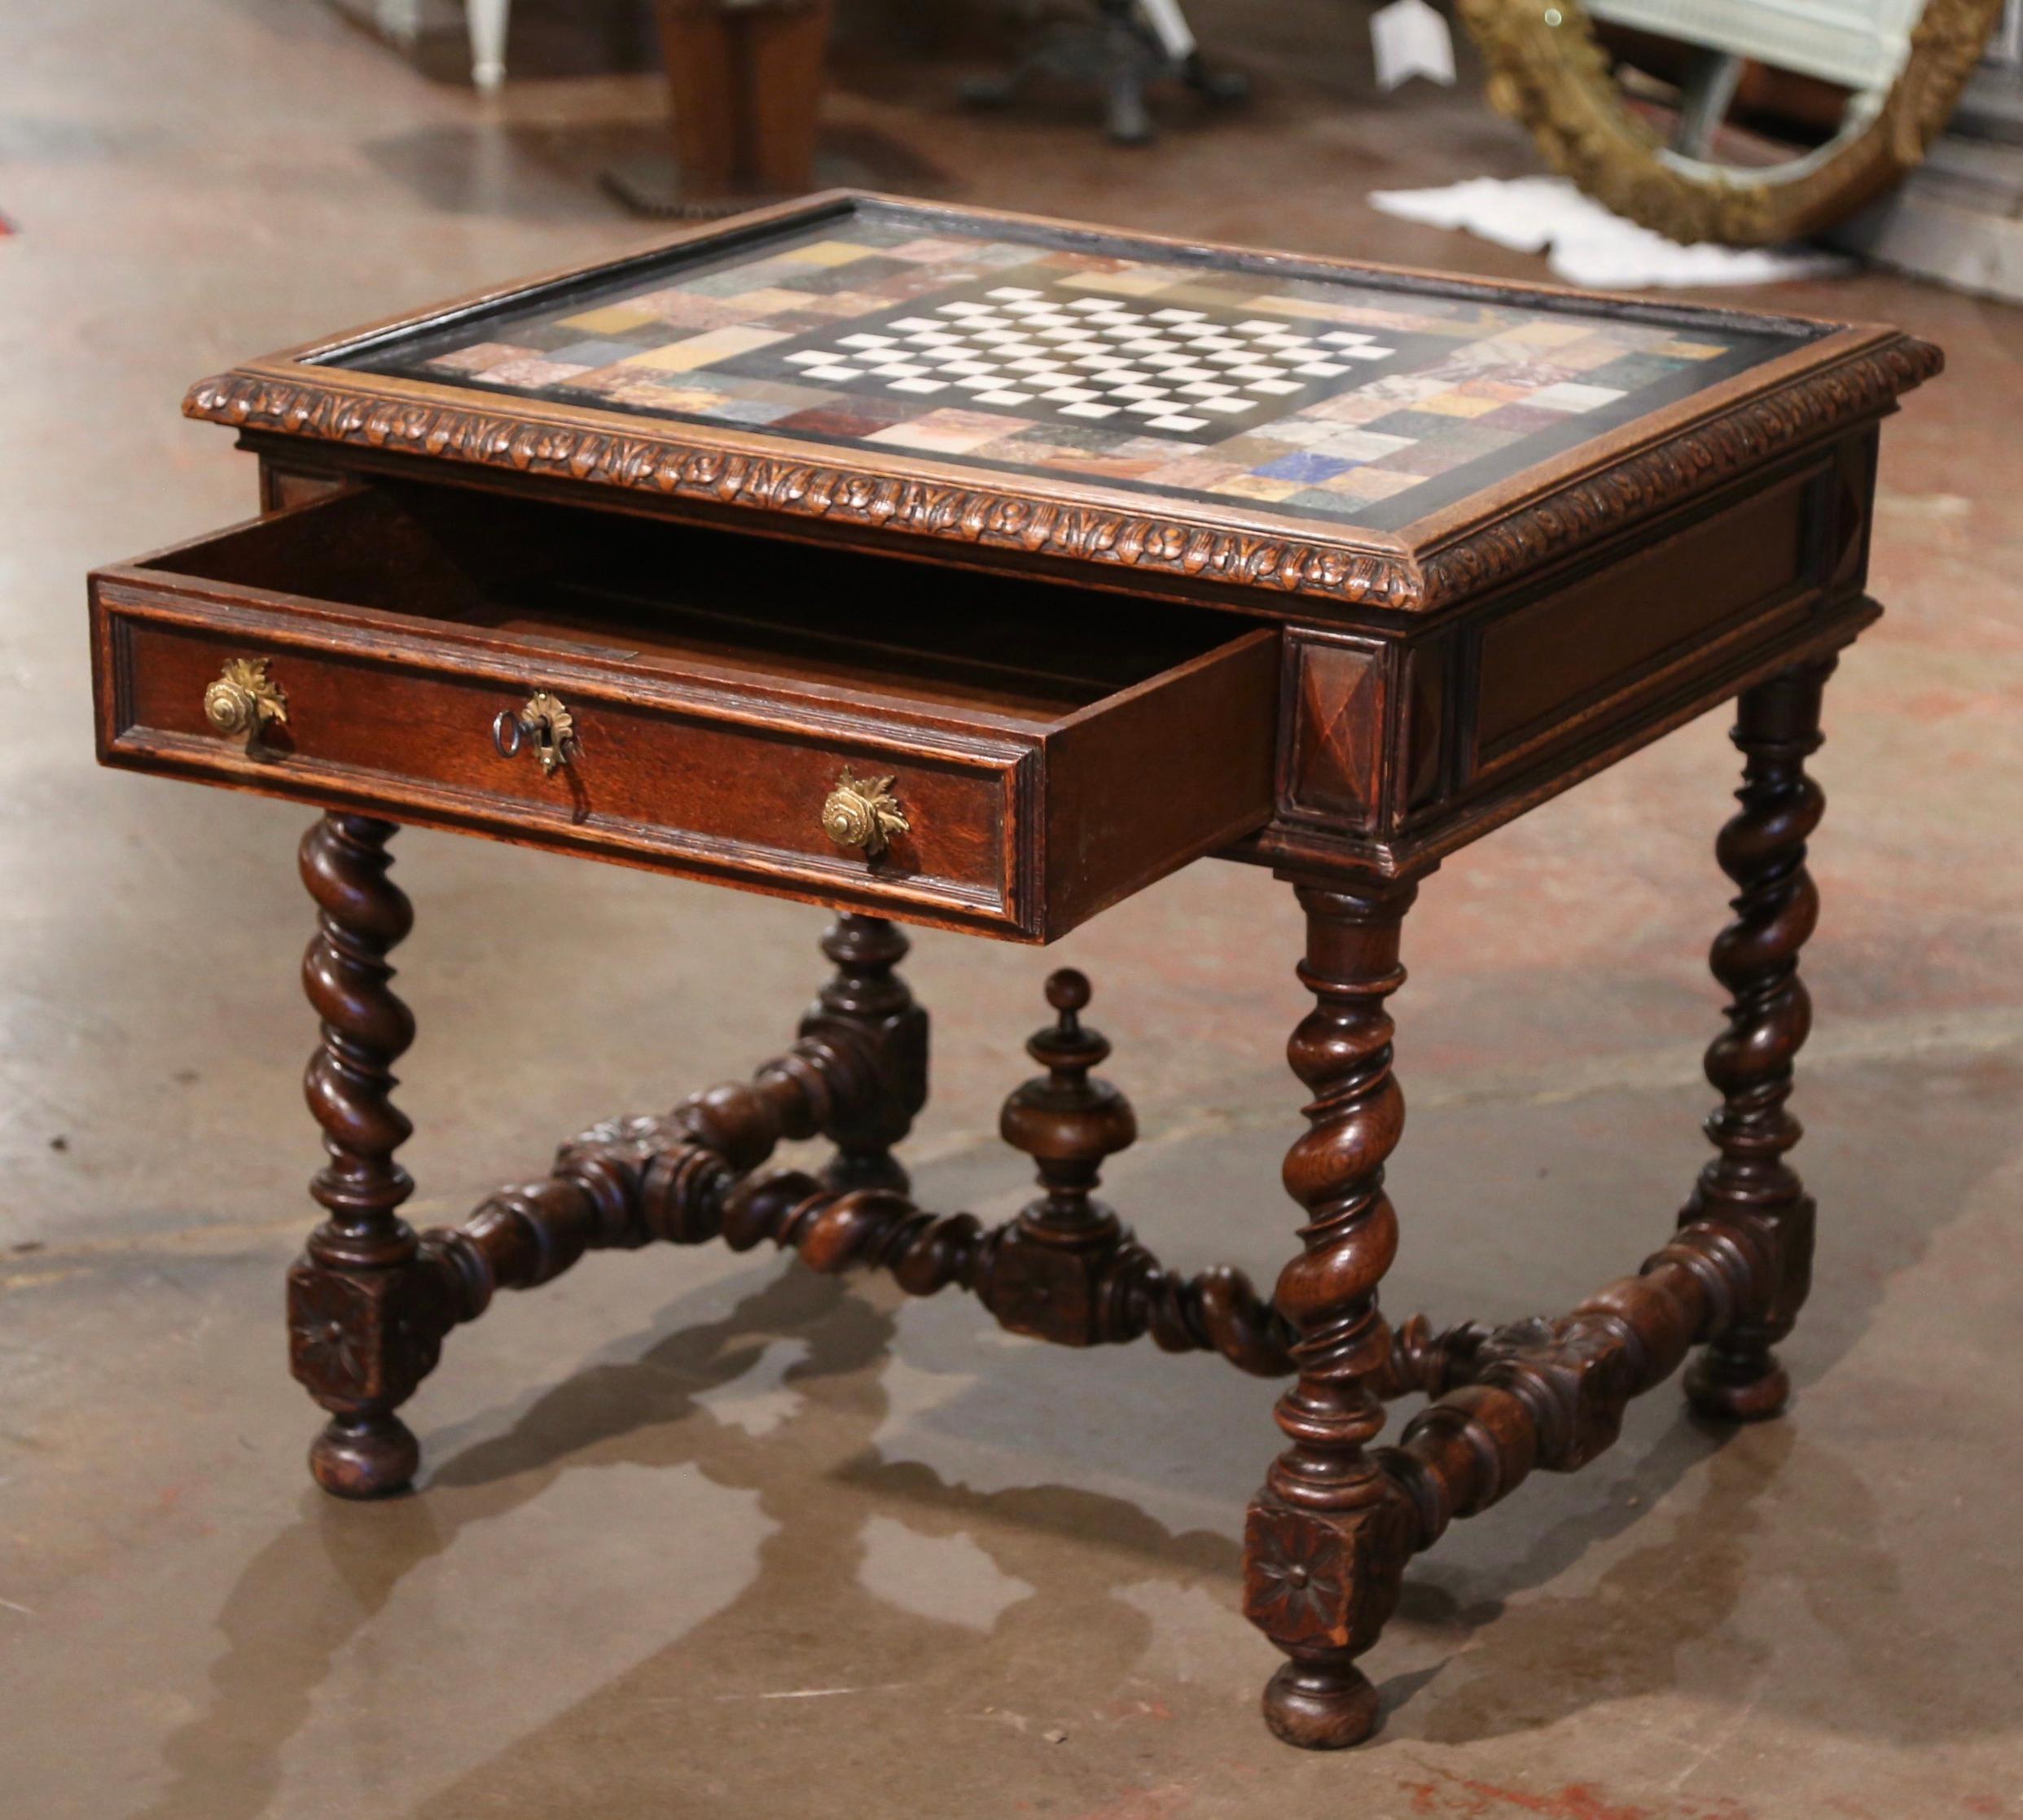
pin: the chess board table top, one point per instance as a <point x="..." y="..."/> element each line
<point x="1292" y="434"/>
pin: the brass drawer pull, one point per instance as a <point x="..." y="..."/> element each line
<point x="863" y="815"/>
<point x="544" y="720"/>
<point x="245" y="700"/>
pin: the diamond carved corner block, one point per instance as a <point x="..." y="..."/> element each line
<point x="1048" y="1292"/>
<point x="1313" y="1582"/>
<point x="361" y="1338"/>
<point x="1335" y="759"/>
<point x="1576" y="1377"/>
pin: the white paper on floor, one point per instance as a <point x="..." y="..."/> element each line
<point x="1590" y="246"/>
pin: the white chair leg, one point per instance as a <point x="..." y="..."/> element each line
<point x="486" y="19"/>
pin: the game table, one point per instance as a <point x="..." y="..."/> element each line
<point x="966" y="569"/>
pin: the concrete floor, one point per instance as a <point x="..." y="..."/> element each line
<point x="700" y="1536"/>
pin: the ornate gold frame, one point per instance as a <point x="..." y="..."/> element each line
<point x="1548" y="70"/>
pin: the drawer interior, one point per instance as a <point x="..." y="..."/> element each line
<point x="653" y="596"/>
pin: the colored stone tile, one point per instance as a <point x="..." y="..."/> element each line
<point x="663" y="396"/>
<point x="1108" y="467"/>
<point x="700" y="350"/>
<point x="1469" y="442"/>
<point x="744" y="410"/>
<point x="761" y="305"/>
<point x="610" y="320"/>
<point x="533" y="371"/>
<point x="1582" y="359"/>
<point x="1197" y="473"/>
<point x="1162" y="448"/>
<point x="1407" y="388"/>
<point x="842" y="304"/>
<point x="1459" y="333"/>
<point x="1305" y="432"/>
<point x="870" y="231"/>
<point x="1509" y="361"/>
<point x="1362" y="445"/>
<point x="1551" y="333"/>
<point x="782" y="270"/>
<point x="1252" y="451"/>
<point x="1497" y="392"/>
<point x="1570" y="397"/>
<point x="993" y="257"/>
<point x="916" y="281"/>
<point x="831" y="252"/>
<point x="1414" y="426"/>
<point x="1078" y="436"/>
<point x="1314" y="310"/>
<point x="798" y="321"/>
<point x="1375" y="483"/>
<point x="1306" y="467"/>
<point x="480" y="355"/>
<point x="838" y="420"/>
<point x="1133" y="281"/>
<point x="1321" y="500"/>
<point x="1534" y="375"/>
<point x="929" y="249"/>
<point x="551" y="338"/>
<point x="1353" y="408"/>
<point x="867" y="271"/>
<point x="951" y="431"/>
<point x="597" y="384"/>
<point x="1257" y="486"/>
<point x="1522" y="419"/>
<point x="1632" y="372"/>
<point x="1039" y="452"/>
<point x="781" y="392"/>
<point x="1456" y="404"/>
<point x="606" y="352"/>
<point x="763" y="298"/>
<point x="681" y="308"/>
<point x="1428" y="458"/>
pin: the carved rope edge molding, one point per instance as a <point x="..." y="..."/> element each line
<point x="657" y="464"/>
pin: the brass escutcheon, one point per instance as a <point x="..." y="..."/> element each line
<point x="863" y="815"/>
<point x="245" y="700"/>
<point x="543" y="720"/>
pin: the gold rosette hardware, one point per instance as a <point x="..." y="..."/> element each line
<point x="862" y="814"/>
<point x="245" y="700"/>
<point x="545" y="723"/>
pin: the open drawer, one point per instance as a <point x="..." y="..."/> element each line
<point x="734" y="706"/>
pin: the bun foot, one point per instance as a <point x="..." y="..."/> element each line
<point x="1320" y="1708"/>
<point x="1737" y="1390"/>
<point x="372" y="1457"/>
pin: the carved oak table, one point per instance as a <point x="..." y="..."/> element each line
<point x="976" y="571"/>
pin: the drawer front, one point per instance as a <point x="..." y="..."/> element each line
<point x="695" y="781"/>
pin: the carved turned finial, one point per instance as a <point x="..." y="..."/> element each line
<point x="1063" y="1047"/>
<point x="1066" y="1122"/>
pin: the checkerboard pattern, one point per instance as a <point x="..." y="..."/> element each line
<point x="1360" y="400"/>
<point x="1055" y="359"/>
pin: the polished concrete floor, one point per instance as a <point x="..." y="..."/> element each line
<point x="705" y="1536"/>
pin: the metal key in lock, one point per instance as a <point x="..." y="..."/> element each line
<point x="543" y="722"/>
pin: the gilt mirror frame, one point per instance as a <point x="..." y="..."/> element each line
<point x="1550" y="72"/>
